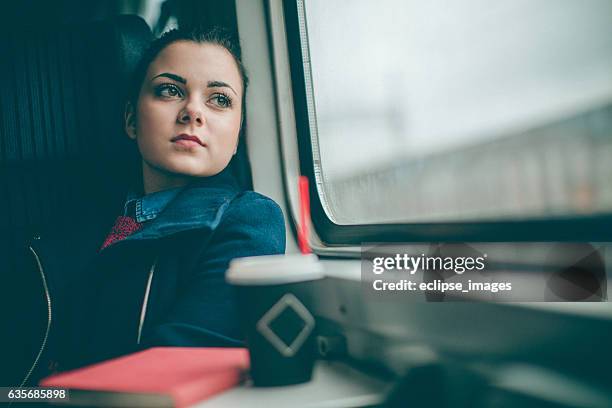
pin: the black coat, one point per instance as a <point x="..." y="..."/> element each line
<point x="163" y="285"/>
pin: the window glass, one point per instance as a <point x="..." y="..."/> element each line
<point x="472" y="110"/>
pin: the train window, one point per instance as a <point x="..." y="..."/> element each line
<point x="475" y="111"/>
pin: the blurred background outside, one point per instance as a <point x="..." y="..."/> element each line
<point x="469" y="110"/>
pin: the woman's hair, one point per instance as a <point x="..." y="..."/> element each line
<point x="216" y="35"/>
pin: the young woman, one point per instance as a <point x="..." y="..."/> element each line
<point x="157" y="279"/>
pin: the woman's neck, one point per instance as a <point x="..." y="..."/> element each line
<point x="155" y="180"/>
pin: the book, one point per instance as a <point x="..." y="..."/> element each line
<point x="156" y="377"/>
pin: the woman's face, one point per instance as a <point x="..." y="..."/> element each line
<point x="188" y="114"/>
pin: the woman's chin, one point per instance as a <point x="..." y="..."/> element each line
<point x="183" y="166"/>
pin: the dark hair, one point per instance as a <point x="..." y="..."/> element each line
<point x="216" y="35"/>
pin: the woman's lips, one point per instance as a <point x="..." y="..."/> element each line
<point x="187" y="143"/>
<point x="188" y="140"/>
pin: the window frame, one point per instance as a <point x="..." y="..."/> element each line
<point x="571" y="228"/>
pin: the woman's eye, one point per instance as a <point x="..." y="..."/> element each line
<point x="168" y="91"/>
<point x="221" y="100"/>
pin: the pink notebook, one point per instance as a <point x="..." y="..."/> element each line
<point x="157" y="377"/>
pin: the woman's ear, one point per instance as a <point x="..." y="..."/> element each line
<point x="130" y="120"/>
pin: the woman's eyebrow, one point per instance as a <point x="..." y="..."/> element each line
<point x="220" y="84"/>
<point x="177" y="78"/>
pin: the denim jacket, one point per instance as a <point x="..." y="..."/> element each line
<point x="163" y="285"/>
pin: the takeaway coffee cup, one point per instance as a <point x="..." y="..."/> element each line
<point x="274" y="295"/>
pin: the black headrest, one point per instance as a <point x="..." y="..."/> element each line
<point x="62" y="145"/>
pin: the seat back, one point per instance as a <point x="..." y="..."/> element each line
<point x="63" y="152"/>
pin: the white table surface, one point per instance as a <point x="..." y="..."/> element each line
<point x="333" y="384"/>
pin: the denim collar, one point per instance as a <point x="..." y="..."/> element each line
<point x="197" y="205"/>
<point x="148" y="207"/>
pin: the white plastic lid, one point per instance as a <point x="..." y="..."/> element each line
<point x="274" y="269"/>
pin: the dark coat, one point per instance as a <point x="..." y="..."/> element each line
<point x="163" y="285"/>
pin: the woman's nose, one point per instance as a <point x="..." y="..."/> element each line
<point x="189" y="115"/>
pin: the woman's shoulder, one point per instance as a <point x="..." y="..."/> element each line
<point x="255" y="207"/>
<point x="256" y="219"/>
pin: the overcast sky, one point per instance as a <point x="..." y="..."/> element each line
<point x="400" y="78"/>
